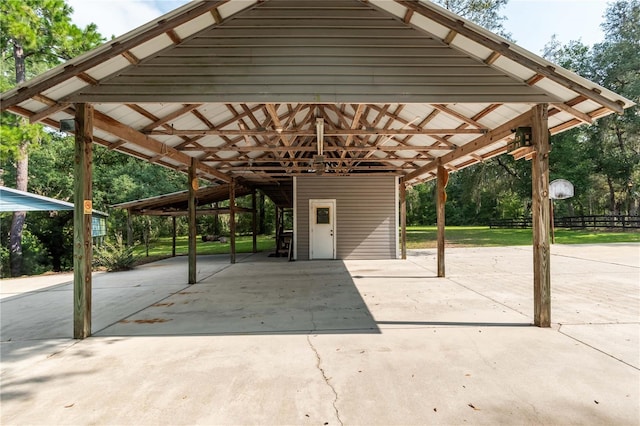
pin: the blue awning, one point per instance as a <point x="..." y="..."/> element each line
<point x="13" y="200"/>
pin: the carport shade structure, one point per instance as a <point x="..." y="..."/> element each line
<point x="177" y="204"/>
<point x="233" y="89"/>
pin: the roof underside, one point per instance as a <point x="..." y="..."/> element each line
<point x="177" y="202"/>
<point x="250" y="88"/>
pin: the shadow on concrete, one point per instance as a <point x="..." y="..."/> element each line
<point x="256" y="297"/>
<point x="454" y="324"/>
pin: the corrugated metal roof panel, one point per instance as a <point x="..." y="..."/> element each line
<point x="108" y="67"/>
<point x="475" y="49"/>
<point x="562" y="93"/>
<point x="430" y="26"/>
<point x="67" y="87"/>
<point x="513" y="68"/>
<point x="152" y="46"/>
<point x="198" y="24"/>
<point x="231" y="8"/>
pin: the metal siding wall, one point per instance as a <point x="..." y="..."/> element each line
<point x="366" y="222"/>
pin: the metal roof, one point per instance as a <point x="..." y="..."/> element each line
<point x="249" y="88"/>
<point x="177" y="202"/>
<point x="13" y="200"/>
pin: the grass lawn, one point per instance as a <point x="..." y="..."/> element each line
<point x="482" y="236"/>
<point x="162" y="246"/>
<point x="417" y="237"/>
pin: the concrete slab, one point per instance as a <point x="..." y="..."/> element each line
<point x="267" y="341"/>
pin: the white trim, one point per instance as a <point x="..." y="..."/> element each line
<point x="333" y="219"/>
<point x="295" y="218"/>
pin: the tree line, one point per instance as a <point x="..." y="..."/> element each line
<point x="602" y="160"/>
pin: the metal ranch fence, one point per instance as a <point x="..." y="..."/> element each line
<point x="622" y="222"/>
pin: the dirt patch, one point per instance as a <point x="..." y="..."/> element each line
<point x="157" y="305"/>
<point x="147" y="321"/>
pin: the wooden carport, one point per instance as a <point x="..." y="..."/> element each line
<point x="267" y="90"/>
<point x="177" y="204"/>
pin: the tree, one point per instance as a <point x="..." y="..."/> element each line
<point x="612" y="144"/>
<point x="34" y="33"/>
<point x="616" y="138"/>
<point x="485" y="13"/>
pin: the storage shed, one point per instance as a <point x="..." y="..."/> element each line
<point x="346" y="217"/>
<point x="259" y="92"/>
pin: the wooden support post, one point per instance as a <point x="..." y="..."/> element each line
<point x="277" y="231"/>
<point x="552" y="223"/>
<point x="540" y="217"/>
<point x="193" y="187"/>
<point x="403" y="219"/>
<point x="262" y="228"/>
<point x="83" y="208"/>
<point x="129" y="229"/>
<point x="441" y="199"/>
<point x="232" y="220"/>
<point x="254" y="221"/>
<point x="173" y="239"/>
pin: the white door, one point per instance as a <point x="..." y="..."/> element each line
<point x="322" y="229"/>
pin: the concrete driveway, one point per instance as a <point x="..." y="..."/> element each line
<point x="268" y="341"/>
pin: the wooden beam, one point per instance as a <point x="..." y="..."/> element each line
<point x="232" y="220"/>
<point x="47" y="112"/>
<point x="328" y="131"/>
<point x="181" y="111"/>
<point x="108" y="124"/>
<point x="216" y="15"/>
<point x="505" y="50"/>
<point x="173" y="239"/>
<point x="199" y="212"/>
<point x="403" y="219"/>
<point x="193" y="187"/>
<point x="492" y="58"/>
<point x="329" y="148"/>
<point x="133" y="59"/>
<point x="480" y="128"/>
<point x="254" y="221"/>
<point x="82" y="213"/>
<point x="129" y="228"/>
<point x="87" y="78"/>
<point x="441" y="199"/>
<point x="449" y="37"/>
<point x="175" y="38"/>
<point x="576" y="113"/>
<point x="490" y="138"/>
<point x="540" y="217"/>
<point x="533" y="80"/>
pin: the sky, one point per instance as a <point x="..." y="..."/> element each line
<point x="531" y="23"/>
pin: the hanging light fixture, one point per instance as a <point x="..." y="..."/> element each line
<point x="319" y="160"/>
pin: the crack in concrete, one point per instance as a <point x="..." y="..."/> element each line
<point x="594" y="348"/>
<point x="326" y="379"/>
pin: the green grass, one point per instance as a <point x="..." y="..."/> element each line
<point x="482" y="236"/>
<point x="162" y="246"/>
<point x="417" y="237"/>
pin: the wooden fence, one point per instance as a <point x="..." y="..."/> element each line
<point x="622" y="222"/>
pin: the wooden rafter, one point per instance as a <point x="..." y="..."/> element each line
<point x="369" y="131"/>
<point x="178" y="113"/>
<point x="495" y="135"/>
